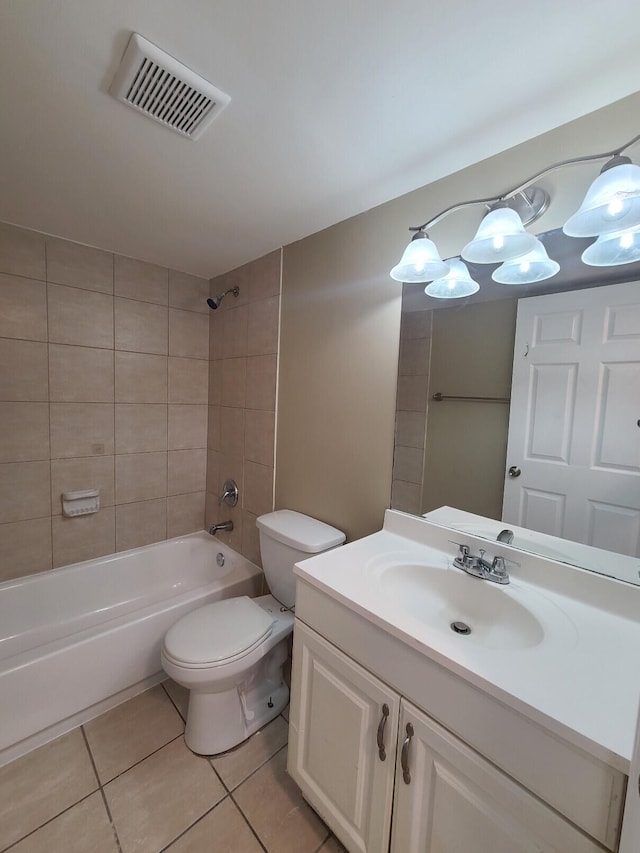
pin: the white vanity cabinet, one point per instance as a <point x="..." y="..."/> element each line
<point x="431" y="794"/>
<point x="448" y="798"/>
<point x="342" y="742"/>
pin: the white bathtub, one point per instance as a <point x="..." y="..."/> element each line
<point x="81" y="639"/>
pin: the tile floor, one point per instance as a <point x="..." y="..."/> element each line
<point x="126" y="783"/>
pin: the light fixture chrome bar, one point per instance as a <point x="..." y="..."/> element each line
<point x="491" y="200"/>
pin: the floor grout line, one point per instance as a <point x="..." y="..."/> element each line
<point x="248" y="822"/>
<point x="101" y="789"/>
<point x="254" y="771"/>
<point x="50" y="820"/>
<point x="170" y="697"/>
<point x="197" y="821"/>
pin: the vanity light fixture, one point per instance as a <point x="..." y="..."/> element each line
<point x="534" y="266"/>
<point x="611" y="207"/>
<point x="455" y="284"/>
<point x="420" y="261"/>
<point x="612" y="202"/>
<point x="500" y="237"/>
<point x="612" y="250"/>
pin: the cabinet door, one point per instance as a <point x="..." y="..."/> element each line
<point x="449" y="799"/>
<point x="339" y="714"/>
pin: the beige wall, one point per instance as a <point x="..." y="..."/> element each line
<point x="242" y="398"/>
<point x="103" y="382"/>
<point x="341" y="321"/>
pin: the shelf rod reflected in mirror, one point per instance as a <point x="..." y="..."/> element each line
<point x="438" y="397"/>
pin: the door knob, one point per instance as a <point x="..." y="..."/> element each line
<point x="514" y="471"/>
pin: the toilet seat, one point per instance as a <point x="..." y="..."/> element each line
<point x="217" y="633"/>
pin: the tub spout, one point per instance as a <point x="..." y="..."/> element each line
<point x="224" y="525"/>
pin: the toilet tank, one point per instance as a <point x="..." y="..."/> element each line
<point x="286" y="537"/>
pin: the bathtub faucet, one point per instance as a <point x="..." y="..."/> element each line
<point x="224" y="525"/>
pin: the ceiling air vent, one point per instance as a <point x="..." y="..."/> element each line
<point x="162" y="88"/>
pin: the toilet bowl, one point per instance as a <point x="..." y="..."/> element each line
<point x="230" y="654"/>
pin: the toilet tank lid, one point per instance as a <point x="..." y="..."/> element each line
<point x="300" y="531"/>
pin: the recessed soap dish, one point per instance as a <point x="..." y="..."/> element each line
<point x="80" y="502"/>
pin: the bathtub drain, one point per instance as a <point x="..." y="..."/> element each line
<point x="460" y="628"/>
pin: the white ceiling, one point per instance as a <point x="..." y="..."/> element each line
<point x="337" y="106"/>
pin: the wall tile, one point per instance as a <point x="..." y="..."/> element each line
<point x="215" y="383"/>
<point x="140" y="378"/>
<point x="258" y="488"/>
<point x="410" y="428"/>
<point x="79" y="266"/>
<point x="230" y="468"/>
<point x="188" y="380"/>
<point x="405" y="497"/>
<point x="140" y="428"/>
<point x="216" y="333"/>
<point x="140" y="477"/>
<point x="232" y="431"/>
<point x="234" y="382"/>
<point x="187" y="471"/>
<point x="81" y="429"/>
<point x="80" y="317"/>
<point x="139" y="524"/>
<point x="25" y="490"/>
<point x="262" y="331"/>
<point x="261" y="382"/>
<point x="25" y="548"/>
<point x="141" y="326"/>
<point x="259" y="436"/>
<point x="216" y="513"/>
<point x="187" y="427"/>
<point x="188" y="334"/>
<point x="408" y="464"/>
<point x="251" y="538"/>
<point x="234" y="332"/>
<point x="414" y="356"/>
<point x="24" y="428"/>
<point x="412" y="393"/>
<point x="185" y="514"/>
<point x="80" y="374"/>
<point x="213" y="468"/>
<point x="23" y="370"/>
<point x="83" y="537"/>
<point x="415" y="324"/>
<point x="23" y="308"/>
<point x="139" y="280"/>
<point x="91" y="472"/>
<point x="264" y="276"/>
<point x="214" y="428"/>
<point x="188" y="292"/>
<point x="21" y="251"/>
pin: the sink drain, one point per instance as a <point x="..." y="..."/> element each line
<point x="460" y="628"/>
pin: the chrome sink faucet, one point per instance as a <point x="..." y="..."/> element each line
<point x="476" y="565"/>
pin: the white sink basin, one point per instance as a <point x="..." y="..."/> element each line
<point x="448" y="600"/>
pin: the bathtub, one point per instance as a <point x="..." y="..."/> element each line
<point x="79" y="640"/>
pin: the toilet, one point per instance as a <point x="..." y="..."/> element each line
<point x="230" y="654"/>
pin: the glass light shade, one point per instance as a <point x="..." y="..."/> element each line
<point x="611" y="250"/>
<point x="500" y="237"/>
<point x="420" y="262"/>
<point x="612" y="203"/>
<point x="455" y="284"/>
<point x="534" y="266"/>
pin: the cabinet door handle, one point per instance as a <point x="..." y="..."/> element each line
<point x="380" y="736"/>
<point x="404" y="756"/>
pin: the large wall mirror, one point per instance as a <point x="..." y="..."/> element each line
<point x="456" y="402"/>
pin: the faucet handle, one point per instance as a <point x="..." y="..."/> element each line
<point x="499" y="565"/>
<point x="464" y="553"/>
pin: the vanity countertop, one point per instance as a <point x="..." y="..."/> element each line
<point x="573" y="668"/>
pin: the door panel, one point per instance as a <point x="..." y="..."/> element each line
<point x="575" y="414"/>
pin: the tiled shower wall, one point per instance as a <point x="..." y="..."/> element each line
<point x="242" y="397"/>
<point x="411" y="405"/>
<point x="104" y="364"/>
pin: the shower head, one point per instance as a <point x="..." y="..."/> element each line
<point x="215" y="301"/>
